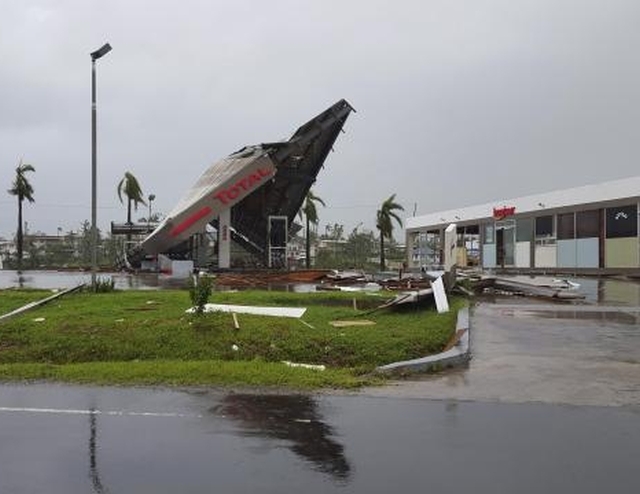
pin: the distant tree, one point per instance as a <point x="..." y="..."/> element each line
<point x="155" y="217"/>
<point x="130" y="187"/>
<point x="84" y="243"/>
<point x="334" y="232"/>
<point x="22" y="189"/>
<point x="361" y="248"/>
<point x="310" y="212"/>
<point x="384" y="217"/>
<point x="112" y="248"/>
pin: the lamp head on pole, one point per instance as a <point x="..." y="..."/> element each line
<point x="101" y="52"/>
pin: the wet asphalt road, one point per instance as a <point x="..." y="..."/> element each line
<point x="60" y="439"/>
<point x="549" y="403"/>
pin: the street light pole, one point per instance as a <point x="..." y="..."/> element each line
<point x="102" y="51"/>
<point x="151" y="199"/>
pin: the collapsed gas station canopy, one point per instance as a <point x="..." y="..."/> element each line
<point x="256" y="182"/>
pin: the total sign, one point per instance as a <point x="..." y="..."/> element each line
<point x="225" y="196"/>
<point x="216" y="191"/>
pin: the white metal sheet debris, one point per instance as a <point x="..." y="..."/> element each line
<point x="296" y="312"/>
<point x="304" y="366"/>
<point x="442" y="304"/>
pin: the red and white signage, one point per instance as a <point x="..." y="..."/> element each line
<point x="503" y="212"/>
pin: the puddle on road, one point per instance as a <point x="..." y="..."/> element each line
<point x="295" y="419"/>
<point x="612" y="315"/>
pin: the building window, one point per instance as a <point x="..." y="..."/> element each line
<point x="566" y="226"/>
<point x="524" y="229"/>
<point x="588" y="224"/>
<point x="489" y="237"/>
<point x="544" y="227"/>
<point x="622" y="222"/>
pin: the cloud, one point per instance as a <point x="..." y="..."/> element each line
<point x="457" y="101"/>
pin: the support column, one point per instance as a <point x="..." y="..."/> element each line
<point x="224" y="239"/>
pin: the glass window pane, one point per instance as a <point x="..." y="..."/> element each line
<point x="488" y="234"/>
<point x="544" y="226"/>
<point x="566" y="226"/>
<point x="524" y="229"/>
<point x="622" y="221"/>
<point x="588" y="224"/>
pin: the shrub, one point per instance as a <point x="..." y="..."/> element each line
<point x="199" y="292"/>
<point x="103" y="285"/>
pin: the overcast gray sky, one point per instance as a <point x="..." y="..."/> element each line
<point x="458" y="101"/>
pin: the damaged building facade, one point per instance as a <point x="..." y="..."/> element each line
<point x="589" y="229"/>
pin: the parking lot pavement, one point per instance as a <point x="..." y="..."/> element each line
<point x="528" y="352"/>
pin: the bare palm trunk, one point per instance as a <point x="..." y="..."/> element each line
<point x="20" y="236"/>
<point x="129" y="218"/>
<point x="307" y="261"/>
<point x="129" y="212"/>
<point x="382" y="263"/>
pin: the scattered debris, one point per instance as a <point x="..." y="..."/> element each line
<point x="413" y="297"/>
<point x="295" y="312"/>
<point x="347" y="276"/>
<point x="440" y="296"/>
<point x="235" y="347"/>
<point x="31" y="305"/>
<point x="307" y="324"/>
<point x="534" y="288"/>
<point x="369" y="287"/>
<point x="345" y="324"/>
<point x="305" y="366"/>
<point x="39" y="319"/>
<point x="236" y="325"/>
<point x="264" y="278"/>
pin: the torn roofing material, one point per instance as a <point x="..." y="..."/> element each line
<point x="256" y="182"/>
<point x="295" y="312"/>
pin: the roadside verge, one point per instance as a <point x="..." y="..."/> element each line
<point x="458" y="353"/>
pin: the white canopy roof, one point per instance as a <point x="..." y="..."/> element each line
<point x="587" y="194"/>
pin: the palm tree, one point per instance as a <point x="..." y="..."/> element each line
<point x="311" y="216"/>
<point x="130" y="187"/>
<point x="22" y="189"/>
<point x="384" y="215"/>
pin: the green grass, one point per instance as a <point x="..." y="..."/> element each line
<point x="145" y="337"/>
<point x="11" y="299"/>
<point x="192" y="373"/>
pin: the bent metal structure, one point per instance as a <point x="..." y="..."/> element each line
<point x="241" y="194"/>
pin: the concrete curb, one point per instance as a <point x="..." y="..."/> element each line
<point x="459" y="355"/>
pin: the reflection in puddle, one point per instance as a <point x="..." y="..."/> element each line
<point x="599" y="291"/>
<point x="614" y="315"/>
<point x="93" y="462"/>
<point x="69" y="279"/>
<point x="289" y="418"/>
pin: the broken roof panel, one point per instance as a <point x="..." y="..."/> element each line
<point x="256" y="182"/>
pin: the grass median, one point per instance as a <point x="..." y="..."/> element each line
<point x="145" y="337"/>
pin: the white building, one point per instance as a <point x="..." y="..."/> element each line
<point x="584" y="229"/>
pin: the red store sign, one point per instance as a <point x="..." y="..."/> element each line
<point x="503" y="212"/>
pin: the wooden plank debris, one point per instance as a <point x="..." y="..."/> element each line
<point x="345" y="324"/>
